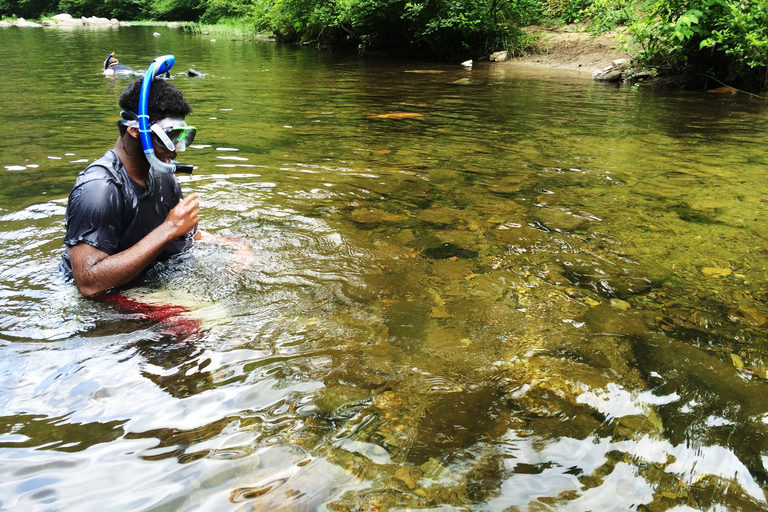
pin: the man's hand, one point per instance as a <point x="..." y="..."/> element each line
<point x="184" y="216"/>
<point x="242" y="258"/>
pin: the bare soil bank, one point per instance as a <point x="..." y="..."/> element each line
<point x="567" y="48"/>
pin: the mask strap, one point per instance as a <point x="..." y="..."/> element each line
<point x="158" y="66"/>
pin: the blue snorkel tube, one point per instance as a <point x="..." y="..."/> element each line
<point x="158" y="66"/>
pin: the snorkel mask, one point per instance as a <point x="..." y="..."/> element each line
<point x="173" y="133"/>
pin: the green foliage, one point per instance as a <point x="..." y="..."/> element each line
<point x="727" y="39"/>
<point x="448" y="29"/>
<point x="230" y="28"/>
<point x="566" y="11"/>
<point x="605" y="15"/>
<point x="169" y="10"/>
<point x="107" y="9"/>
<point x="28" y="9"/>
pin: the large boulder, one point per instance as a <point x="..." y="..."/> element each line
<point x="63" y="18"/>
<point x="499" y="56"/>
<point x="21" y="22"/>
<point x="66" y="20"/>
<point x="94" y="20"/>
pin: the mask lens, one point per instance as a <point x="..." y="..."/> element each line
<point x="182" y="137"/>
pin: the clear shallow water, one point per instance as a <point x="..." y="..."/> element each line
<point x="536" y="292"/>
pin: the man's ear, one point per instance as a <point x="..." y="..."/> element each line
<point x="133" y="132"/>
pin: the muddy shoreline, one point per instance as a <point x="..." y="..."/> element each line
<point x="568" y="48"/>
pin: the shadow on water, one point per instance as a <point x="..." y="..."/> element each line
<point x="496" y="289"/>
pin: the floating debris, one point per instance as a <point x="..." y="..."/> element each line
<point x="397" y="115"/>
<point x="723" y="90"/>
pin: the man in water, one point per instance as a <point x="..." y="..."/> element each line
<point x="123" y="215"/>
<point x="112" y="67"/>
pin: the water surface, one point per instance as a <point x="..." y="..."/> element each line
<point x="530" y="291"/>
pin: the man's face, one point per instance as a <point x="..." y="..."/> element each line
<point x="162" y="152"/>
<point x="170" y="135"/>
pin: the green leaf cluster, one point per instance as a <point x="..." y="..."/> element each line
<point x="721" y="38"/>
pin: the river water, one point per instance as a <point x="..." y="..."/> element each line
<point x="492" y="289"/>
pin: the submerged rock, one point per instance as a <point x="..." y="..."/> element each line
<point x="332" y="400"/>
<point x="748" y="315"/>
<point x="447" y="251"/>
<point x="520" y="237"/>
<point x="376" y="216"/>
<point x="440" y="216"/>
<point x="607" y="320"/>
<point x="716" y="272"/>
<point x="606" y="279"/>
<point x="559" y="219"/>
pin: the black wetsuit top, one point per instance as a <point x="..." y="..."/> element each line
<point x="108" y="210"/>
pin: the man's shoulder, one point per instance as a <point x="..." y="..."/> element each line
<point x="107" y="168"/>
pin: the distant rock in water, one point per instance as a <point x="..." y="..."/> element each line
<point x="499" y="56"/>
<point x="613" y="73"/>
<point x="194" y="73"/>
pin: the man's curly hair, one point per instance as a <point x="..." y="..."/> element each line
<point x="165" y="100"/>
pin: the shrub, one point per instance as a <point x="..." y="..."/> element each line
<point x="726" y="39"/>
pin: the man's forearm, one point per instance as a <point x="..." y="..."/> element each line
<point x="101" y="272"/>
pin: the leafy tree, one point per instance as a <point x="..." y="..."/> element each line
<point x="447" y="29"/>
<point x="27" y="8"/>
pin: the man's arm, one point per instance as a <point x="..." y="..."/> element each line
<point x="95" y="271"/>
